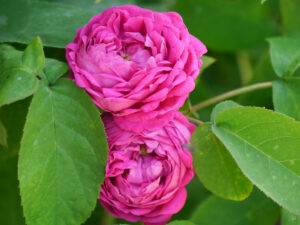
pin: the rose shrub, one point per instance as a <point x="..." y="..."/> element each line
<point x="137" y="64"/>
<point x="146" y="172"/>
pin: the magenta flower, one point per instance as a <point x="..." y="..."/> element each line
<point x="137" y="64"/>
<point x="146" y="172"/>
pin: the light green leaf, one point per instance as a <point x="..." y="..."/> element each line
<point x="8" y="52"/>
<point x="63" y="156"/>
<point x="290" y="14"/>
<point x="3" y="135"/>
<point x="56" y="24"/>
<point x="216" y="168"/>
<point x="54" y="69"/>
<point x="285" y="55"/>
<point x="288" y="218"/>
<point x="265" y="145"/>
<point x="286" y="97"/>
<point x="10" y="204"/>
<point x="221" y="107"/>
<point x="255" y="210"/>
<point x="16" y="84"/>
<point x="227" y="25"/>
<point x="33" y="56"/>
<point x="181" y="222"/>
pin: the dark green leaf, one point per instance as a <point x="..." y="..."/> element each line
<point x="227" y="25"/>
<point x="265" y="145"/>
<point x="95" y="5"/>
<point x="196" y="194"/>
<point x="33" y="56"/>
<point x="16" y="84"/>
<point x="263" y="71"/>
<point x="207" y="62"/>
<point x="285" y="55"/>
<point x="221" y="107"/>
<point x="63" y="156"/>
<point x="54" y="69"/>
<point x="255" y="210"/>
<point x="3" y="135"/>
<point x="216" y="168"/>
<point x="290" y="14"/>
<point x="13" y="118"/>
<point x="10" y="204"/>
<point x="100" y="216"/>
<point x="286" y="97"/>
<point x="56" y="24"/>
<point x="288" y="218"/>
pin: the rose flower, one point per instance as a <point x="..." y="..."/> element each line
<point x="137" y="64"/>
<point x="146" y="172"/>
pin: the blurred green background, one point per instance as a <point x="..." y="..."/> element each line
<point x="235" y="33"/>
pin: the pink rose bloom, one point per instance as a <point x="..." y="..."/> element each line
<point x="137" y="64"/>
<point x="146" y="172"/>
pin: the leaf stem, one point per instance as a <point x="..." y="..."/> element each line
<point x="230" y="94"/>
<point x="193" y="120"/>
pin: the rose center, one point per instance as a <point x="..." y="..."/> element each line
<point x="125" y="56"/>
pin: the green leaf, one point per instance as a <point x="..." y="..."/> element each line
<point x="63" y="156"/>
<point x="8" y="52"/>
<point x="10" y="204"/>
<point x="95" y="5"/>
<point x="196" y="194"/>
<point x="221" y="107"/>
<point x="33" y="56"/>
<point x="9" y="58"/>
<point x="13" y="118"/>
<point x="290" y="14"/>
<point x="54" y="69"/>
<point x="100" y="216"/>
<point x="288" y="218"/>
<point x="207" y="62"/>
<point x="265" y="145"/>
<point x="181" y="222"/>
<point x="262" y="72"/>
<point x="16" y="84"/>
<point x="56" y="24"/>
<point x="3" y="135"/>
<point x="216" y="168"/>
<point x="285" y="55"/>
<point x="255" y="210"/>
<point x="227" y="25"/>
<point x="286" y="95"/>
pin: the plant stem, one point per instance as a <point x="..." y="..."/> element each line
<point x="193" y="120"/>
<point x="230" y="94"/>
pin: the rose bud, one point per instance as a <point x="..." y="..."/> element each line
<point x="137" y="64"/>
<point x="146" y="172"/>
